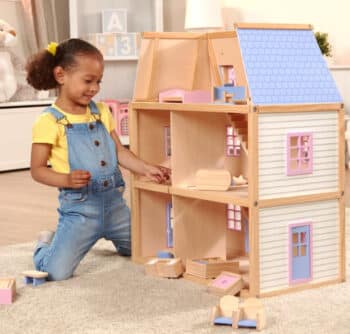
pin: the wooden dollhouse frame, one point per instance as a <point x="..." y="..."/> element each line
<point x="274" y="201"/>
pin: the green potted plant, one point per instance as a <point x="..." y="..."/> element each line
<point x="323" y="43"/>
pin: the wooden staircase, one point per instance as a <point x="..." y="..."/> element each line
<point x="240" y="124"/>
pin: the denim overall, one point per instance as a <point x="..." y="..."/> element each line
<point x="95" y="211"/>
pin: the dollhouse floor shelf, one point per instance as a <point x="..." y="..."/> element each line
<point x="151" y="186"/>
<point x="237" y="196"/>
<point x="222" y="108"/>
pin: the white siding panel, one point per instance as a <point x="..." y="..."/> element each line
<point x="273" y="130"/>
<point x="274" y="241"/>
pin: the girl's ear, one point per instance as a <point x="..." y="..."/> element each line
<point x="59" y="73"/>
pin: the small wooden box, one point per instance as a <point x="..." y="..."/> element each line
<point x="226" y="283"/>
<point x="170" y="268"/>
<point x="7" y="290"/>
<point x="211" y="267"/>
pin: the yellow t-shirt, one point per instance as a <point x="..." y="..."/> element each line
<point x="47" y="130"/>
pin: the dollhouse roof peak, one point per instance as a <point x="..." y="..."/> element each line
<point x="285" y="66"/>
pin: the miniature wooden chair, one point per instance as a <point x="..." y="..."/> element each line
<point x="222" y="314"/>
<point x="34" y="277"/>
<point x="250" y="314"/>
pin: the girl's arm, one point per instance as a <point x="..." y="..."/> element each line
<point x="41" y="173"/>
<point x="130" y="161"/>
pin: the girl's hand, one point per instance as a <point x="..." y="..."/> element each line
<point x="158" y="174"/>
<point x="78" y="178"/>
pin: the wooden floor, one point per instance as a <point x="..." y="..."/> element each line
<point x="27" y="207"/>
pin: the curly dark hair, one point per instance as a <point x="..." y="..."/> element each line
<point x="41" y="65"/>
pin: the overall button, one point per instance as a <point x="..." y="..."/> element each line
<point x="96" y="142"/>
<point x="105" y="183"/>
<point x="103" y="163"/>
<point x="91" y="126"/>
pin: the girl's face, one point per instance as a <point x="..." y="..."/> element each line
<point x="81" y="83"/>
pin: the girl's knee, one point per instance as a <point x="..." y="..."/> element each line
<point x="59" y="274"/>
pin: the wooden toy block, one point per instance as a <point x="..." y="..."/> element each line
<point x="35" y="277"/>
<point x="183" y="96"/>
<point x="213" y="179"/>
<point x="7" y="290"/>
<point x="250" y="314"/>
<point x="210" y="267"/>
<point x="222" y="313"/>
<point x="197" y="279"/>
<point x="226" y="283"/>
<point x="169" y="268"/>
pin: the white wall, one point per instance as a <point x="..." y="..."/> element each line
<point x="331" y="17"/>
<point x="326" y="16"/>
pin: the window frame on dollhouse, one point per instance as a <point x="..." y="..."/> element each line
<point x="233" y="143"/>
<point x="304" y="165"/>
<point x="234" y="217"/>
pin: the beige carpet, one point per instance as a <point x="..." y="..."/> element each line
<point x="110" y="294"/>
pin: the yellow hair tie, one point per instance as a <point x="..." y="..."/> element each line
<point x="52" y="47"/>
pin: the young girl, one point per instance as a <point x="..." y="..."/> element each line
<point x="77" y="136"/>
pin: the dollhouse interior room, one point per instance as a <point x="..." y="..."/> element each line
<point x="248" y="104"/>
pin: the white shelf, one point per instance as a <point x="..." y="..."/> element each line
<point x="120" y="58"/>
<point x="32" y="103"/>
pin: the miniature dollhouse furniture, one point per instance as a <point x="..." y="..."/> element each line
<point x="292" y="140"/>
<point x="222" y="313"/>
<point x="35" y="277"/>
<point x="119" y="110"/>
<point x="7" y="290"/>
<point x="249" y="314"/>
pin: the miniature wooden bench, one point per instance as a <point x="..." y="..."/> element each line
<point x="35" y="277"/>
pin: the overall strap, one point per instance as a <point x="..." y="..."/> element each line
<point x="58" y="115"/>
<point x="93" y="108"/>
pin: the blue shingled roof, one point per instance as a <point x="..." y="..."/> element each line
<point x="286" y="67"/>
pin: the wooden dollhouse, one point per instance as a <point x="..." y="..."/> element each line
<point x="278" y="99"/>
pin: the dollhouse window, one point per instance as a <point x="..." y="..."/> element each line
<point x="227" y="74"/>
<point x="234" y="221"/>
<point x="233" y="143"/>
<point x="299" y="153"/>
<point x="167" y="143"/>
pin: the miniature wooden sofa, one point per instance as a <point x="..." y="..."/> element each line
<point x="249" y="314"/>
<point x="222" y="314"/>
